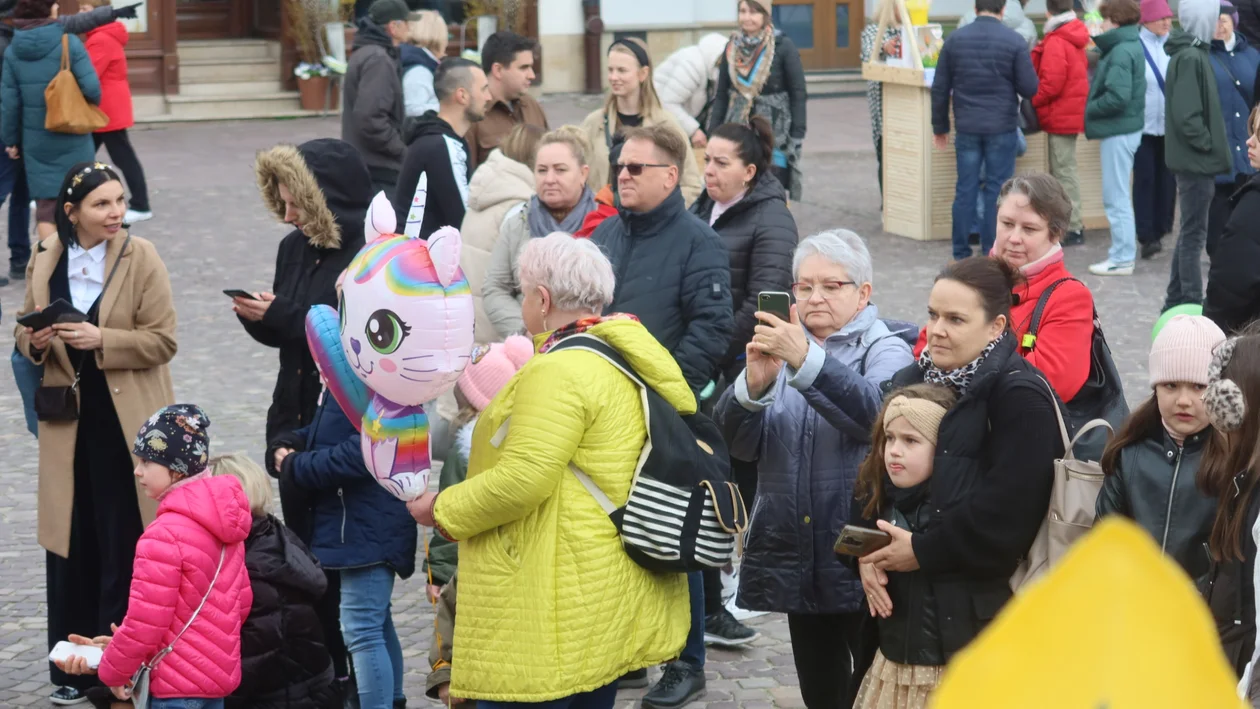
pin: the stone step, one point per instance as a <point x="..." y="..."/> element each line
<point x="232" y="88"/>
<point x="191" y="50"/>
<point x="231" y="106"/>
<point x="215" y="71"/>
<point x="833" y="83"/>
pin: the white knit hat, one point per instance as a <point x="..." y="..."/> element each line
<point x="1182" y="352"/>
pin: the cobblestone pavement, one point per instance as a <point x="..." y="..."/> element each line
<point x="214" y="233"/>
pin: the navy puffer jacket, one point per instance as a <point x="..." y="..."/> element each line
<point x="808" y="435"/>
<point x="985" y="67"/>
<point x="1235" y="72"/>
<point x="356" y="521"/>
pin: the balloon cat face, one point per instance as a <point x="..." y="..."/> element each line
<point x="406" y="312"/>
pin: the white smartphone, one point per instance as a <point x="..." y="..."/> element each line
<point x="64" y="650"/>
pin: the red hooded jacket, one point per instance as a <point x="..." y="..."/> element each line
<point x="1062" y="71"/>
<point x="1066" y="334"/>
<point x="105" y="46"/>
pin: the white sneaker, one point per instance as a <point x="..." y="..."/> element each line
<point x="132" y="216"/>
<point x="1109" y="268"/>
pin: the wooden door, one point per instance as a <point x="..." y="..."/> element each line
<point x="213" y="19"/>
<point x="828" y="33"/>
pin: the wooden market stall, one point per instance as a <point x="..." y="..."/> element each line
<point x="919" y="180"/>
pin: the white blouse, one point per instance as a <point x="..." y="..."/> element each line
<point x="87" y="275"/>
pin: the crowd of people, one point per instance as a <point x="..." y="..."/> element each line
<point x="943" y="436"/>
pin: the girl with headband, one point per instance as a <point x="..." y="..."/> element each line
<point x="632" y="102"/>
<point x="893" y="488"/>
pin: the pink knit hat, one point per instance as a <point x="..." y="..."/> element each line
<point x="1153" y="10"/>
<point x="1182" y="351"/>
<point x="493" y="365"/>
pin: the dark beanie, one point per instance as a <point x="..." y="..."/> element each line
<point x="176" y="438"/>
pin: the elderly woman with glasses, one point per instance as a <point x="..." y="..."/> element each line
<point x="803" y="410"/>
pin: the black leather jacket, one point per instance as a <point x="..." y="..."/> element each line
<point x="1154" y="485"/>
<point x="911" y="636"/>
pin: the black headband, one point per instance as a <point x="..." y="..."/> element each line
<point x="638" y="51"/>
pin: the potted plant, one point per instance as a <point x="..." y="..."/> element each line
<point x="307" y="20"/>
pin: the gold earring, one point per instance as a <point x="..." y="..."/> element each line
<point x="545" y="328"/>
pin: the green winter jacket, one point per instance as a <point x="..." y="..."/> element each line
<point x="1195" y="140"/>
<point x="443" y="555"/>
<point x="1117" y="96"/>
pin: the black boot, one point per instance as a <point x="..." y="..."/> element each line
<point x="680" y="685"/>
<point x="633" y="680"/>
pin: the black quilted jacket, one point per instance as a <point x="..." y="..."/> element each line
<point x="760" y="234"/>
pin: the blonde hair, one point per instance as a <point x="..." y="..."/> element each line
<point x="429" y="30"/>
<point x="521" y="143"/>
<point x="649" y="103"/>
<point x="253" y="478"/>
<point x="571" y="136"/>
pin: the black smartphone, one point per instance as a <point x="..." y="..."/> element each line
<point x="777" y="302"/>
<point x="860" y="541"/>
<point x="58" y="311"/>
<point x="238" y="293"/>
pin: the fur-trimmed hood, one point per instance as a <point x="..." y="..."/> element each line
<point x="329" y="182"/>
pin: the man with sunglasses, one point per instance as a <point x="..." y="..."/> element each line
<point x="673" y="273"/>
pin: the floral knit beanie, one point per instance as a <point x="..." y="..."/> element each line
<point x="176" y="438"/>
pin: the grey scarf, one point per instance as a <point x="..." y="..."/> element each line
<point x="541" y="223"/>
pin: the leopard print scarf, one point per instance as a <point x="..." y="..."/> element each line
<point x="956" y="379"/>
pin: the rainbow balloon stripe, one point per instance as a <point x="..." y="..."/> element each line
<point x="408" y="268"/>
<point x="411" y="429"/>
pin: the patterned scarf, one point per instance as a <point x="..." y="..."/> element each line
<point x="579" y="326"/>
<point x="956" y="379"/>
<point x="750" y="58"/>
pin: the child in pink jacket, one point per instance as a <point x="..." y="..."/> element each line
<point x="197" y="540"/>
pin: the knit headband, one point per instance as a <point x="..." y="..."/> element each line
<point x="639" y="52"/>
<point x="925" y="416"/>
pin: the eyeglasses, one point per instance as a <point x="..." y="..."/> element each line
<point x="635" y="168"/>
<point x="829" y="289"/>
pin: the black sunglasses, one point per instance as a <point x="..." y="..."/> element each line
<point x="635" y="169"/>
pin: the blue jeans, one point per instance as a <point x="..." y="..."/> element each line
<point x="191" y="703"/>
<point x="992" y="156"/>
<point x="1116" y="157"/>
<point x="27" y="375"/>
<point x="13" y="186"/>
<point x="693" y="651"/>
<point x="603" y="698"/>
<point x="367" y="624"/>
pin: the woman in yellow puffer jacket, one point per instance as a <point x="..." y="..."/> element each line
<point x="550" y="606"/>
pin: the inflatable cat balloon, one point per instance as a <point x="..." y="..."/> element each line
<point x="401" y="336"/>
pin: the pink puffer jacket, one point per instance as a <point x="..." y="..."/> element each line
<point x="175" y="560"/>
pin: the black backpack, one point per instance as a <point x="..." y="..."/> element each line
<point x="1101" y="397"/>
<point x="683" y="513"/>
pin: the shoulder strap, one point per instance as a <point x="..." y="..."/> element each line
<point x="1159" y="78"/>
<point x="1058" y="414"/>
<point x="94" y="311"/>
<point x="65" y="52"/>
<point x="1237" y="84"/>
<point x="167" y="650"/>
<point x="1029" y="341"/>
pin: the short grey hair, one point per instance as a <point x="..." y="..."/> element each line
<point x="842" y="248"/>
<point x="576" y="273"/>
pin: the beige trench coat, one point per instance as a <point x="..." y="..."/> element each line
<point x="137" y="317"/>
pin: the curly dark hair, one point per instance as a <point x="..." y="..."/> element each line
<point x="33" y="9"/>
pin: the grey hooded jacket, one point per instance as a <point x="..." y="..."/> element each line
<point x="808" y="435"/>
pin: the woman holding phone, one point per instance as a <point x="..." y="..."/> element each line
<point x="803" y="410"/>
<point x="322" y="188"/>
<point x="90" y="515"/>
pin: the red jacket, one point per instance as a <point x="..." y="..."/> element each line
<point x="604" y="208"/>
<point x="1062" y="351"/>
<point x="105" y="46"/>
<point x="176" y="558"/>
<point x="1064" y="79"/>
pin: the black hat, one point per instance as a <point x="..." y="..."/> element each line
<point x="384" y="12"/>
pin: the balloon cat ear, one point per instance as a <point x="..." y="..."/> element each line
<point x="444" y="248"/>
<point x="380" y="220"/>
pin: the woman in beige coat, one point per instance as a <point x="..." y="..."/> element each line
<point x="632" y="102"/>
<point x="503" y="181"/>
<point x="90" y="511"/>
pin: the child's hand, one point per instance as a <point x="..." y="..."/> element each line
<point x="121" y="693"/>
<point x="432" y="592"/>
<point x="421" y="508"/>
<point x="444" y="695"/>
<point x="281" y="454"/>
<point x="873" y="582"/>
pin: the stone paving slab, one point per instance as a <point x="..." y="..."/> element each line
<point x="213" y="232"/>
